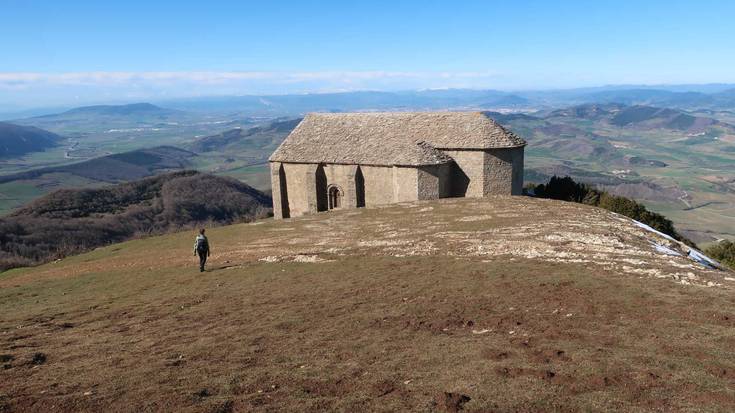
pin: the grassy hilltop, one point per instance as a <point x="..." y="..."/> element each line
<point x="500" y="304"/>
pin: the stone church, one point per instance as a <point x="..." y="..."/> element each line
<point x="352" y="160"/>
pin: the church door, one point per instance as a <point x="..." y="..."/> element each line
<point x="335" y="197"/>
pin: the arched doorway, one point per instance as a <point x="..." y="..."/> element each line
<point x="335" y="197"/>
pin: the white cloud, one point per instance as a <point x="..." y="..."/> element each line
<point x="37" y="88"/>
<point x="13" y="79"/>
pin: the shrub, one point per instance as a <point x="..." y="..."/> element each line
<point x="724" y="252"/>
<point x="566" y="189"/>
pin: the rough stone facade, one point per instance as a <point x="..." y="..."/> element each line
<point x="308" y="179"/>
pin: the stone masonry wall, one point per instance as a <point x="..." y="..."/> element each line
<point x="432" y="182"/>
<point x="276" y="190"/>
<point x="343" y="176"/>
<point x="405" y="184"/>
<point x="301" y="187"/>
<point x="498" y="172"/>
<point x="501" y="171"/>
<point x="383" y="185"/>
<point x="378" y="185"/>
<point x="490" y="172"/>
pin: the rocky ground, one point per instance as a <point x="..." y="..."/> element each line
<point x="503" y="229"/>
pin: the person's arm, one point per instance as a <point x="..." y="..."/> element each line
<point x="208" y="251"/>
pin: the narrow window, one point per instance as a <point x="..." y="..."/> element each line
<point x="359" y="188"/>
<point x="322" y="193"/>
<point x="285" y="209"/>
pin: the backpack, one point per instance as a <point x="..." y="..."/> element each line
<point x="201" y="244"/>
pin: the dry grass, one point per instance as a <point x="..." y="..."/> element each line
<point x="376" y="310"/>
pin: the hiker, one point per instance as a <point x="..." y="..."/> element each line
<point x="201" y="248"/>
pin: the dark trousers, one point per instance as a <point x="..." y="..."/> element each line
<point x="202" y="259"/>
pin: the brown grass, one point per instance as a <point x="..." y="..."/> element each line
<point x="135" y="327"/>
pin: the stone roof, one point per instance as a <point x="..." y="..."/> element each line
<point x="393" y="138"/>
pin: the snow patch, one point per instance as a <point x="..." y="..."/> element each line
<point x="665" y="250"/>
<point x="649" y="229"/>
<point x="693" y="254"/>
<point x="703" y="259"/>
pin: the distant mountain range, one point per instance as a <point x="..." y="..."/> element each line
<point x="17" y="140"/>
<point x="654" y="97"/>
<point x="721" y="97"/>
<point x="134" y="109"/>
<point x="101" y="116"/>
<point x="689" y="97"/>
<point x="290" y="105"/>
<point x="641" y="116"/>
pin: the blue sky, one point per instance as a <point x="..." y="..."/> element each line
<point x="100" y="50"/>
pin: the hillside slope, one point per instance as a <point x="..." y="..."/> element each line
<point x="16" y="140"/>
<point x="502" y="304"/>
<point x="653" y="117"/>
<point x="25" y="186"/>
<point x="288" y="105"/>
<point x="678" y="164"/>
<point x="120" y="167"/>
<point x="75" y="220"/>
<point x="641" y="117"/>
<point x="267" y="136"/>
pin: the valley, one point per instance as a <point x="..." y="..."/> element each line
<point x="677" y="160"/>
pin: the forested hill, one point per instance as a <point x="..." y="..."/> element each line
<point x="71" y="221"/>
